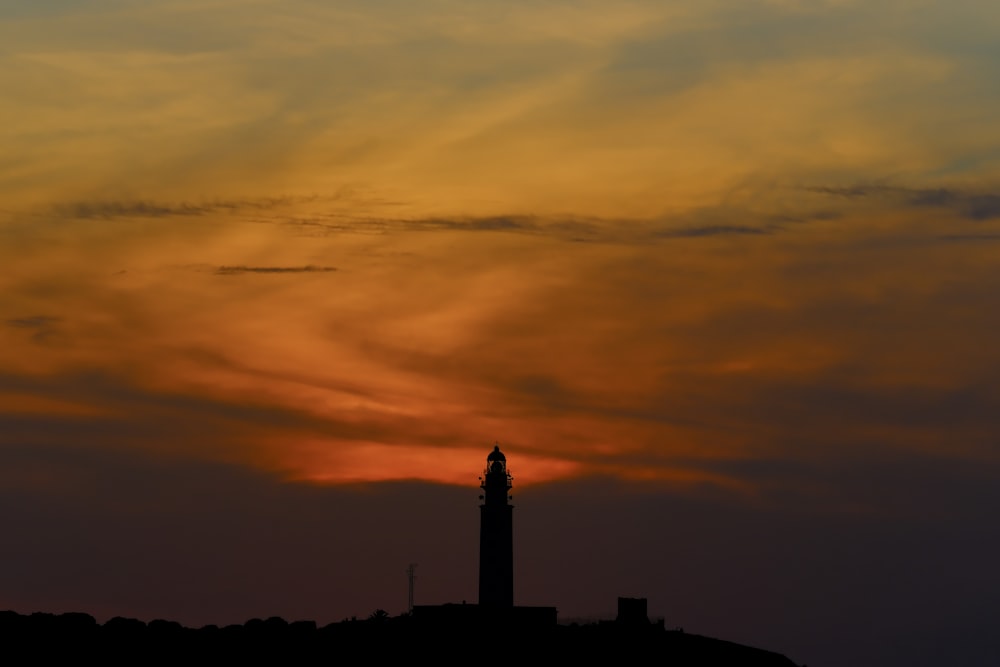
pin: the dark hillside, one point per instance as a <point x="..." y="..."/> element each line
<point x="379" y="638"/>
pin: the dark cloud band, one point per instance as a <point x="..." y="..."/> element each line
<point x="239" y="270"/>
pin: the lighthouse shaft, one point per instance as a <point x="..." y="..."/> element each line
<point x="496" y="535"/>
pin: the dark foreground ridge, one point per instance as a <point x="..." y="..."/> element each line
<point x="377" y="639"/>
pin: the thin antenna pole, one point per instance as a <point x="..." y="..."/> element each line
<point x="411" y="571"/>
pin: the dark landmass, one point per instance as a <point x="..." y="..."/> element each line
<point x="377" y="639"/>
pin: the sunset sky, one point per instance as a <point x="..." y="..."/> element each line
<point x="720" y="277"/>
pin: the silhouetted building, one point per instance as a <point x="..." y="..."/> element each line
<point x="632" y="611"/>
<point x="472" y="617"/>
<point x="496" y="534"/>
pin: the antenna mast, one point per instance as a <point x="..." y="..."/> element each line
<point x="411" y="572"/>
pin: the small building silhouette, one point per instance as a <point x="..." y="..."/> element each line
<point x="632" y="612"/>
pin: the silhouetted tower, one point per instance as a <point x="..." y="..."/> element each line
<point x="496" y="534"/>
<point x="411" y="572"/>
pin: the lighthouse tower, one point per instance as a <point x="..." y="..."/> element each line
<point x="496" y="534"/>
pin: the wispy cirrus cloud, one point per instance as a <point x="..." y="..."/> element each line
<point x="32" y="322"/>
<point x="969" y="204"/>
<point x="969" y="238"/>
<point x="42" y="327"/>
<point x="138" y="208"/>
<point x="718" y="230"/>
<point x="239" y="270"/>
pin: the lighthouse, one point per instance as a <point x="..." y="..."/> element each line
<point x="496" y="534"/>
<point x="496" y="567"/>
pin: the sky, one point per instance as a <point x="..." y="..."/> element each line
<point x="720" y="277"/>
